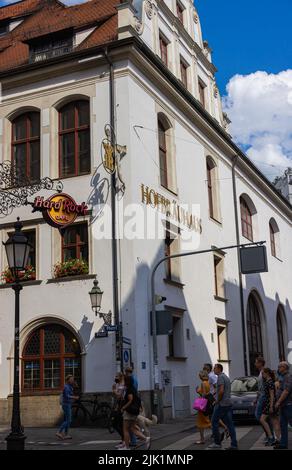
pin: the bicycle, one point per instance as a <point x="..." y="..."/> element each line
<point x="85" y="411"/>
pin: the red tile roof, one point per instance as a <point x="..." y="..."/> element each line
<point x="19" y="9"/>
<point x="53" y="17"/>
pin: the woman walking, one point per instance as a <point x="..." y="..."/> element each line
<point x="269" y="410"/>
<point x="118" y="390"/>
<point x="67" y="397"/>
<point x="131" y="409"/>
<point x="203" y="421"/>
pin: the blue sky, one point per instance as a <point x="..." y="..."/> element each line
<point x="247" y="35"/>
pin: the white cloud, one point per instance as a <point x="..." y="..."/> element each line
<point x="260" y="108"/>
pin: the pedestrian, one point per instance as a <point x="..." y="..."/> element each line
<point x="260" y="365"/>
<point x="268" y="408"/>
<point x="213" y="383"/>
<point x="129" y="372"/>
<point x="203" y="421"/>
<point x="118" y="390"/>
<point x="67" y="398"/>
<point x="223" y="410"/>
<point x="212" y="377"/>
<point x="131" y="409"/>
<point x="284" y="404"/>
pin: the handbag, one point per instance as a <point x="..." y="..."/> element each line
<point x="200" y="404"/>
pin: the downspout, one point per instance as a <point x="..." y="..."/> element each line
<point x="235" y="159"/>
<point x="115" y="277"/>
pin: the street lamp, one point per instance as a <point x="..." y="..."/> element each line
<point x="96" y="297"/>
<point x="17" y="252"/>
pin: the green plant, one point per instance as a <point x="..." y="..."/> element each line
<point x="71" y="267"/>
<point x="29" y="274"/>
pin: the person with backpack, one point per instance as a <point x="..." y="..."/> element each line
<point x="131" y="409"/>
<point x="67" y="398"/>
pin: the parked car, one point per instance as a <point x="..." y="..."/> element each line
<point x="244" y="395"/>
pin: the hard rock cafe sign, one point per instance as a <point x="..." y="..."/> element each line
<point x="60" y="210"/>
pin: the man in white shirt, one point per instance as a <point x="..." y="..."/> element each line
<point x="212" y="377"/>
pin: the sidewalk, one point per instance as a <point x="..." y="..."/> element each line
<point x="47" y="436"/>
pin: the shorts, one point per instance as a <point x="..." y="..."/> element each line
<point x="128" y="417"/>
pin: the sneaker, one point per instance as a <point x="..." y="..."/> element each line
<point x="231" y="448"/>
<point x="67" y="436"/>
<point x="60" y="436"/>
<point x="271" y="442"/>
<point x="120" y="446"/>
<point x="214" y="446"/>
<point x="148" y="443"/>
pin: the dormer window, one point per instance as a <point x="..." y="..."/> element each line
<point x="4" y="27"/>
<point x="50" y="47"/>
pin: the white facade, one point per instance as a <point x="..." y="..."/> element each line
<point x="142" y="91"/>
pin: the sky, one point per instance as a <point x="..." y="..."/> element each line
<point x="252" y="50"/>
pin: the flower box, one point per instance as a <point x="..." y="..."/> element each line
<point x="71" y="267"/>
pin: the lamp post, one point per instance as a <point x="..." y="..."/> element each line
<point x="17" y="252"/>
<point x="96" y="296"/>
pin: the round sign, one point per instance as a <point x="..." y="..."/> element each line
<point x="61" y="210"/>
<point x="126" y="356"/>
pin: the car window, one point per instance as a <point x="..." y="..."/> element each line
<point x="246" y="384"/>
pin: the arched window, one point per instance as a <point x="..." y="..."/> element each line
<point x="50" y="354"/>
<point x="25" y="145"/>
<point x="254" y="332"/>
<point x="210" y="180"/>
<point x="280" y="334"/>
<point x="74" y="139"/>
<point x="162" y="152"/>
<point x="274" y="238"/>
<point x="246" y="219"/>
<point x="212" y="189"/>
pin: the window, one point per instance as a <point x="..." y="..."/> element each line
<point x="31" y="236"/>
<point x="210" y="188"/>
<point x="75" y="243"/>
<point x="74" y="139"/>
<point x="246" y="220"/>
<point x="176" y="336"/>
<point x="272" y="238"/>
<point x="280" y="334"/>
<point x="202" y="87"/>
<point x="4" y="27"/>
<point x="26" y="145"/>
<point x="50" y="46"/>
<point x="180" y="12"/>
<point x="172" y="266"/>
<point x="219" y="277"/>
<point x="254" y="332"/>
<point x="184" y="73"/>
<point x="163" y="50"/>
<point x="162" y="153"/>
<point x="214" y="207"/>
<point x="51" y="353"/>
<point x="222" y="340"/>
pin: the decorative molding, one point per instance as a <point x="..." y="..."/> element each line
<point x="149" y="9"/>
<point x="215" y="91"/>
<point x="137" y="25"/>
<point x="196" y="18"/>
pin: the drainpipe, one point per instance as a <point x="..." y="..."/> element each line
<point x="235" y="159"/>
<point x="115" y="279"/>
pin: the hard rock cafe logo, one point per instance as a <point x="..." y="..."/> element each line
<point x="60" y="210"/>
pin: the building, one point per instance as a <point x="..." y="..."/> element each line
<point x="284" y="184"/>
<point x="58" y="66"/>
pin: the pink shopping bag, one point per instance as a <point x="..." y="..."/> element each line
<point x="200" y="404"/>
